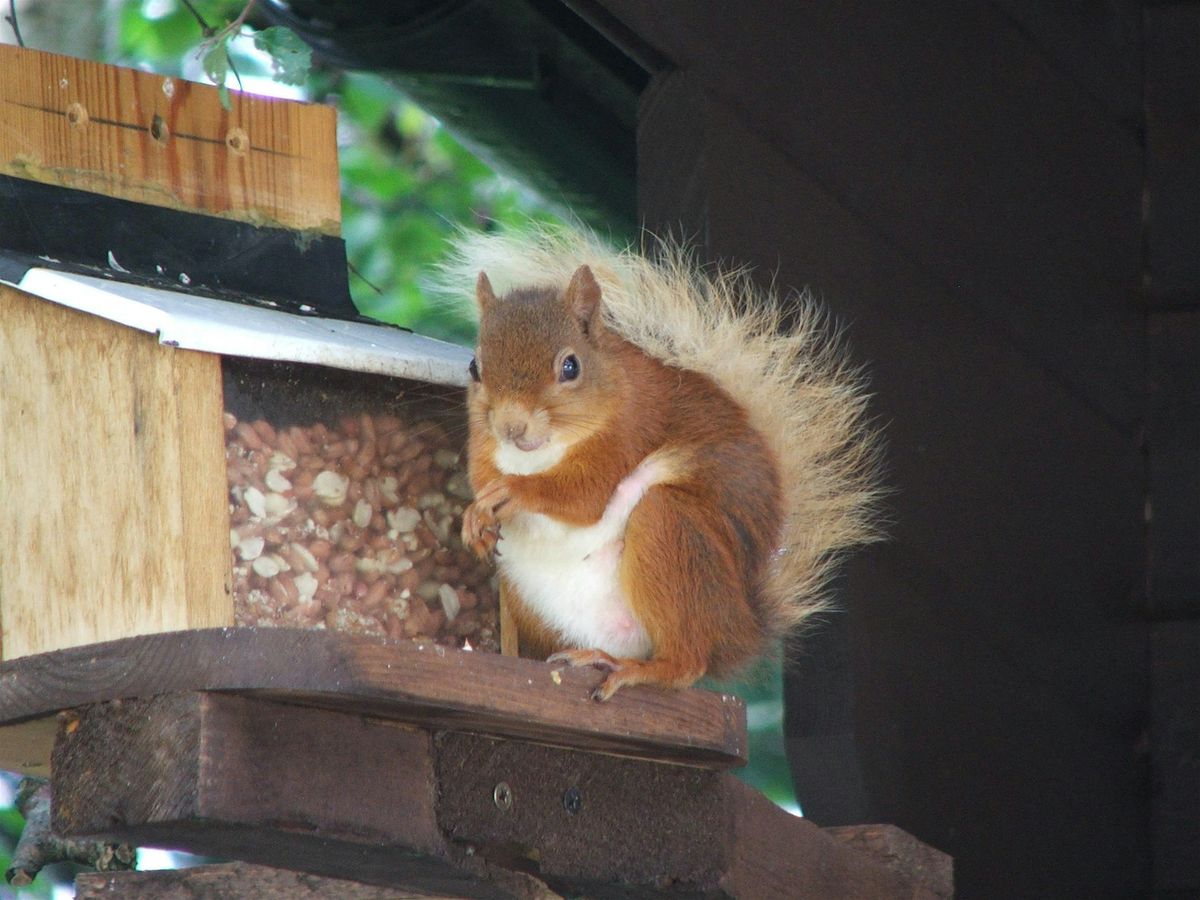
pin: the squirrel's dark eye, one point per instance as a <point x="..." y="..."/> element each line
<point x="473" y="368"/>
<point x="570" y="368"/>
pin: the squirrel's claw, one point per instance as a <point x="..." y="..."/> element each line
<point x="627" y="672"/>
<point x="597" y="659"/>
<point x="579" y="658"/>
<point x="481" y="524"/>
<point x="480" y="531"/>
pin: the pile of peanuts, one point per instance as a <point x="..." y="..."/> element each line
<point x="354" y="526"/>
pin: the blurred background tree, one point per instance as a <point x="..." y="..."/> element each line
<point x="407" y="185"/>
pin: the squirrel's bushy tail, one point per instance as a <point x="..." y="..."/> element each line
<point x="781" y="360"/>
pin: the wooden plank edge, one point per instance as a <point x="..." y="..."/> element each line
<point x="400" y="681"/>
<point x="229" y="880"/>
<point x="903" y="853"/>
<point x="774" y="854"/>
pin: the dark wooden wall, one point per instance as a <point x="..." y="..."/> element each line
<point x="968" y="186"/>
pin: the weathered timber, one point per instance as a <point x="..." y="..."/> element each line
<point x="899" y="850"/>
<point x="422" y="684"/>
<point x="587" y="817"/>
<point x="349" y="796"/>
<point x="1172" y="441"/>
<point x="305" y="789"/>
<point x="231" y="881"/>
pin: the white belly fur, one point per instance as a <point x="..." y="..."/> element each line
<point x="568" y="577"/>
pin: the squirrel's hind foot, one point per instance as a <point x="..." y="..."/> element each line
<point x="626" y="672"/>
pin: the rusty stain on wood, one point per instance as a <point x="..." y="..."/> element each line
<point x="167" y="142"/>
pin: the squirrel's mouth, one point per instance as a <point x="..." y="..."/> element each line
<point x="529" y="444"/>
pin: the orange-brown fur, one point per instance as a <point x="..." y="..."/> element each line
<point x="696" y="548"/>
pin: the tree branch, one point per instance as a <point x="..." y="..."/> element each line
<point x="38" y="847"/>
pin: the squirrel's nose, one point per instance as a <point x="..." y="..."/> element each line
<point x="514" y="430"/>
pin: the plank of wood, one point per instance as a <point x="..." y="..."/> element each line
<point x="338" y="795"/>
<point x="167" y="142"/>
<point x="231" y="881"/>
<point x="510" y="643"/>
<point x="777" y="855"/>
<point x="1017" y="537"/>
<point x="672" y="157"/>
<point x="351" y="797"/>
<point x="1172" y="164"/>
<point x="400" y="681"/>
<point x="1175" y="758"/>
<point x="899" y="850"/>
<point x="112" y="476"/>
<point x="200" y="482"/>
<point x="587" y="819"/>
<point x="1172" y="442"/>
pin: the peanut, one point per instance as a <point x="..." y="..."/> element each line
<point x="354" y="525"/>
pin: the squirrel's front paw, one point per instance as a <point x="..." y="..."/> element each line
<point x="480" y="530"/>
<point x="481" y="520"/>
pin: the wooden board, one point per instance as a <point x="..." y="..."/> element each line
<point x="400" y="681"/>
<point x="1172" y="442"/>
<point x="1175" y="758"/>
<point x="230" y="881"/>
<point x="902" y="852"/>
<point x="1172" y="133"/>
<point x="112" y="482"/>
<point x="351" y="797"/>
<point x="167" y="142"/>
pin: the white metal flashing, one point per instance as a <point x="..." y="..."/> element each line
<point x="235" y="329"/>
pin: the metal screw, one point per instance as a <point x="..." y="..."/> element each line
<point x="502" y="796"/>
<point x="573" y="800"/>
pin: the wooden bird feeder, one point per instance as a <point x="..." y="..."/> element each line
<point x="193" y="449"/>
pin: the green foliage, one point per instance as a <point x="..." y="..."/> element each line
<point x="406" y="186"/>
<point x="216" y="67"/>
<point x="291" y="58"/>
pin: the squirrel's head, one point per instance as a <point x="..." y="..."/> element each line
<point x="541" y="380"/>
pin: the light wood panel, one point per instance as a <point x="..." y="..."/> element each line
<point x="112" y="482"/>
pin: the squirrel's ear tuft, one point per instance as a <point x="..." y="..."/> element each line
<point x="484" y="295"/>
<point x="583" y="298"/>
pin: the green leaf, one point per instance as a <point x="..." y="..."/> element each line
<point x="216" y="67"/>
<point x="291" y="58"/>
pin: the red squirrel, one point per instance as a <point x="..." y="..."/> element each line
<point x="665" y="476"/>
